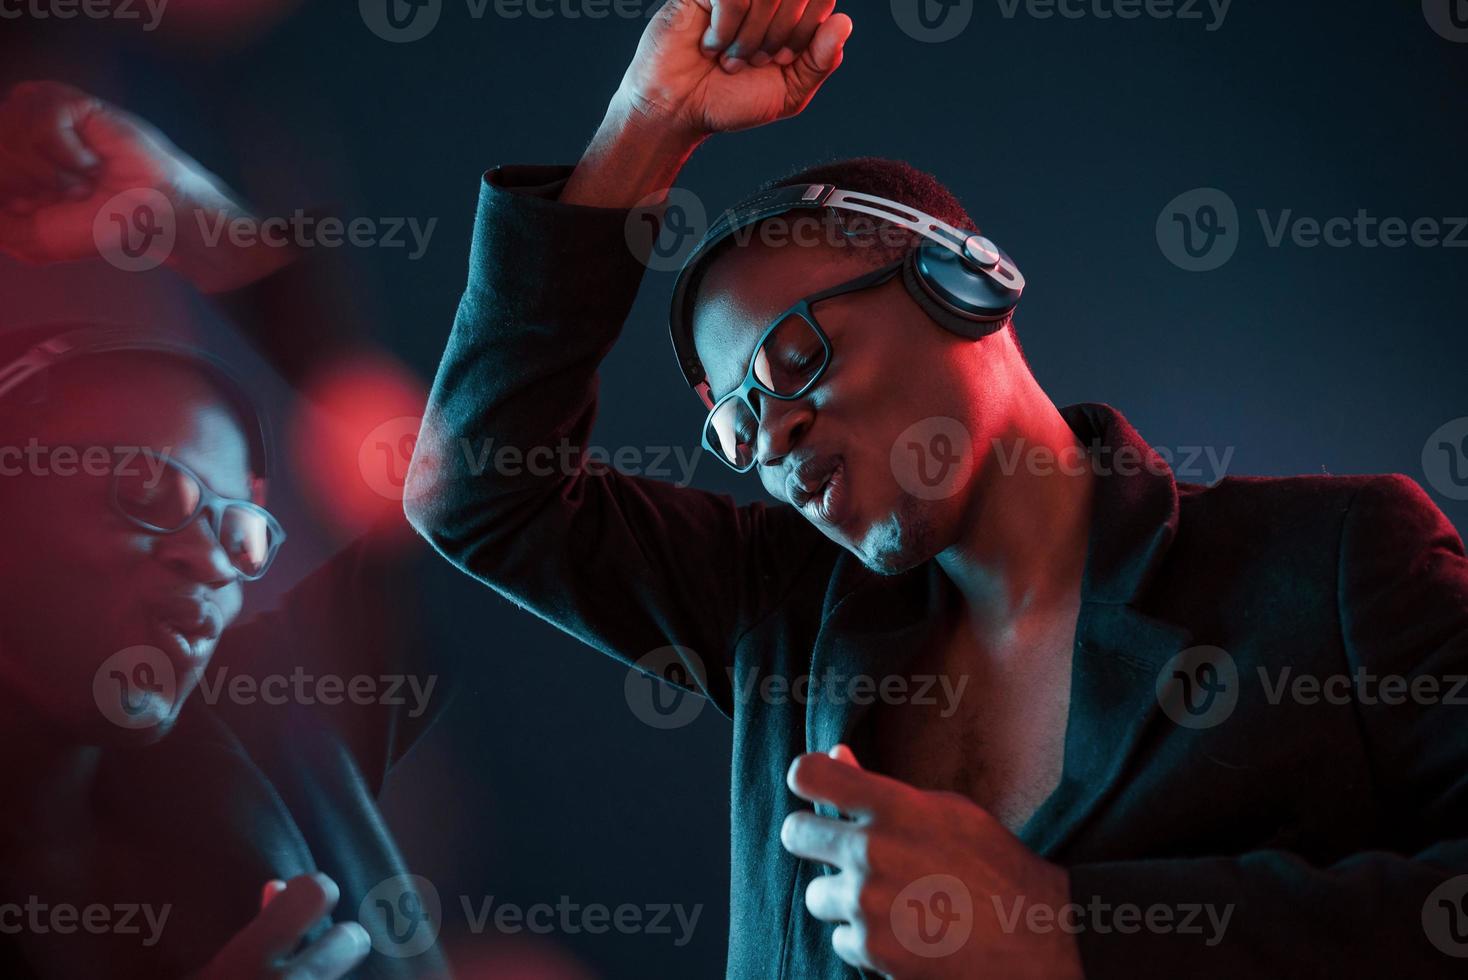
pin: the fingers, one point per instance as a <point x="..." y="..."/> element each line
<point x="851" y="790"/>
<point x="272" y="888"/>
<point x="848" y="943"/>
<point x="286" y="918"/>
<point x="816" y="12"/>
<point x="832" y="898"/>
<point x="843" y="753"/>
<point x="817" y="838"/>
<point x="344" y="946"/>
<point x="782" y="25"/>
<point x="757" y="32"/>
<point x="811" y="69"/>
<point x="57" y="139"/>
<point x="724" y="23"/>
<point x="749" y="36"/>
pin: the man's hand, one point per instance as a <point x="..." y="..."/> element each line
<point x="266" y="947"/>
<point x="715" y="66"/>
<point x="703" y="67"/>
<point x="898" y="856"/>
<point x="65" y="154"/>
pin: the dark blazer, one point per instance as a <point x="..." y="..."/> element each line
<point x="242" y="791"/>
<point x="1329" y="831"/>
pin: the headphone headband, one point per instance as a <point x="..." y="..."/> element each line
<point x="977" y="258"/>
<point x="61" y="343"/>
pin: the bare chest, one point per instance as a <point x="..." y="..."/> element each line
<point x="996" y="736"/>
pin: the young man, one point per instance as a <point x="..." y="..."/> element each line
<point x="1082" y="809"/>
<point x="144" y="784"/>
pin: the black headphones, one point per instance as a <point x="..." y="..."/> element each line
<point x="961" y="279"/>
<point x="22" y="379"/>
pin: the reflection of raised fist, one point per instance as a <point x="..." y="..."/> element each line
<point x="64" y="155"/>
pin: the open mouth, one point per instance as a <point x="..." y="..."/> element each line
<point x="817" y="487"/>
<point x="184" y="629"/>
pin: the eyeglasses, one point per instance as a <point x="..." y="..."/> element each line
<point x="165" y="499"/>
<point x="792" y="354"/>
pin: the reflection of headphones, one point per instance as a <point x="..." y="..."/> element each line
<point x="961" y="279"/>
<point x="23" y="378"/>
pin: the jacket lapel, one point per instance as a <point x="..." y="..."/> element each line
<point x="1120" y="650"/>
<point x="871" y="625"/>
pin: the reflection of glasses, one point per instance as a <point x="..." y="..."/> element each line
<point x="166" y="498"/>
<point x="789" y="359"/>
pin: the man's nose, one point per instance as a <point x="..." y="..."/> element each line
<point x="781" y="426"/>
<point x="195" y="553"/>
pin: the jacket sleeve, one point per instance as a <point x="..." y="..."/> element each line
<point x="1401" y="910"/>
<point x="502" y="482"/>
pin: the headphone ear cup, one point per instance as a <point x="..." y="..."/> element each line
<point x="942" y="285"/>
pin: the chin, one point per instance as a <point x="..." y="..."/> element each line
<point x="901" y="542"/>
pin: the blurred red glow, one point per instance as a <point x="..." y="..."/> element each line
<point x="352" y="436"/>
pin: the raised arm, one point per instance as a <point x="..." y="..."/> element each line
<point x="629" y="565"/>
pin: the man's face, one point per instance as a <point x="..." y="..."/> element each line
<point x="82" y="583"/>
<point x="893" y="373"/>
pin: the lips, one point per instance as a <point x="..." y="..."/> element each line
<point x="817" y="486"/>
<point x="185" y="627"/>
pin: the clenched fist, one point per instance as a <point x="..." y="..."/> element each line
<point x="704" y="67"/>
<point x="722" y="65"/>
<point x="65" y="154"/>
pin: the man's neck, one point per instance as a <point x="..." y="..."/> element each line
<point x="1022" y="548"/>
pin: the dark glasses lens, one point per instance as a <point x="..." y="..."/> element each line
<point x="161" y="498"/>
<point x="791" y="357"/>
<point x="167" y="498"/>
<point x="248" y="538"/>
<point x="730" y="430"/>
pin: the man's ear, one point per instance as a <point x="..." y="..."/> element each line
<point x="258" y="486"/>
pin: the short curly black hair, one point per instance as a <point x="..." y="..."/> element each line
<point x="896" y="180"/>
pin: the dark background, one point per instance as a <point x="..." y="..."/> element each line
<point x="1066" y="138"/>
